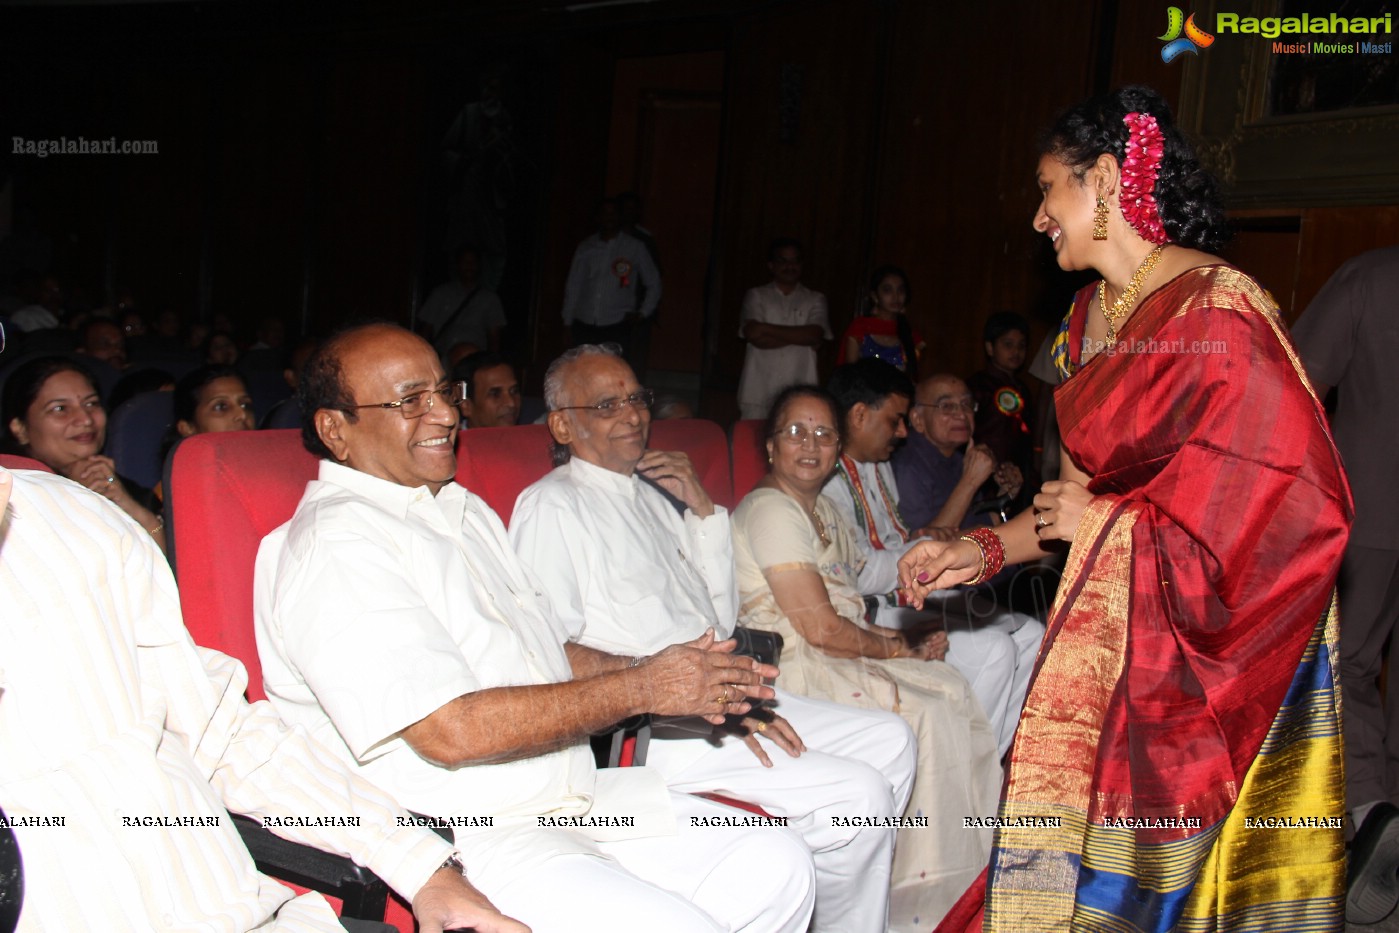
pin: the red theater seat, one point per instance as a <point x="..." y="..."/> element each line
<point x="749" y="457"/>
<point x="498" y="463"/>
<point x="226" y="492"/>
<point x="707" y="448"/>
<point x="16" y="462"/>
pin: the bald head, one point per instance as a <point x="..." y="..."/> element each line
<point x="355" y="391"/>
<point x="942" y="412"/>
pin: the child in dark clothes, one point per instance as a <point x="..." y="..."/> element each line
<point x="1004" y="406"/>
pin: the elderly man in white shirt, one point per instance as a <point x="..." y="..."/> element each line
<point x="122" y="745"/>
<point x="626" y="573"/>
<point x="396" y="624"/>
<point x="994" y="648"/>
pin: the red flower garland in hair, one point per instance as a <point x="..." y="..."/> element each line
<point x="1141" y="161"/>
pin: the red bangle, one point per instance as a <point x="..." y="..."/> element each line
<point x="993" y="553"/>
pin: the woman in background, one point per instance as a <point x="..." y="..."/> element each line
<point x="53" y="413"/>
<point x="884" y="331"/>
<point x="212" y="398"/>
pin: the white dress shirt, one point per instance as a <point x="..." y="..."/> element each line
<point x="115" y="724"/>
<point x="628" y="575"/>
<point x="376" y="605"/>
<point x="623" y="571"/>
<point x="768" y="372"/>
<point x="483" y="314"/>
<point x="595" y="293"/>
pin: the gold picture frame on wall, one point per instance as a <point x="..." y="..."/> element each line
<point x="1233" y="107"/>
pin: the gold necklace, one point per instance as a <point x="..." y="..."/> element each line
<point x="820" y="529"/>
<point x="1124" y="301"/>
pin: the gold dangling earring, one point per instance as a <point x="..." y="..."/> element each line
<point x="1100" y="219"/>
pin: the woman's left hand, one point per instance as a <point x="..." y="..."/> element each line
<point x="1058" y="508"/>
<point x="778" y="730"/>
<point x="99" y="474"/>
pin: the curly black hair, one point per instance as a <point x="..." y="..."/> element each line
<point x="1187" y="196"/>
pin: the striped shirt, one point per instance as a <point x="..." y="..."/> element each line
<point x="122" y="745"/>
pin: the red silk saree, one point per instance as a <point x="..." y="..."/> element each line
<point x="1182" y="732"/>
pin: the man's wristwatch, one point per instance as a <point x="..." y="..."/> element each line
<point x="455" y="864"/>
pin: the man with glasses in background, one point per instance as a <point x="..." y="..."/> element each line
<point x="634" y="557"/>
<point x="940" y="468"/>
<point x="490" y="391"/>
<point x="994" y="648"/>
<point x="395" y="623"/>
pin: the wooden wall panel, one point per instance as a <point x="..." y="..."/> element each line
<point x="811" y="181"/>
<point x="576" y="180"/>
<point x="1331" y="235"/>
<point x="957" y="191"/>
<point x="295" y="150"/>
<point x="366" y="228"/>
<point x="265" y="176"/>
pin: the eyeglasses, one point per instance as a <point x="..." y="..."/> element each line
<point x="612" y="407"/>
<point x="950" y="407"/>
<point x="420" y="403"/>
<point x="797" y="435"/>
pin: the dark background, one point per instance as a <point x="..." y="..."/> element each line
<point x="299" y="170"/>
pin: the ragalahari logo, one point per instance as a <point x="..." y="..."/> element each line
<point x="1176" y="23"/>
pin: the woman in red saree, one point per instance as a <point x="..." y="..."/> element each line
<point x="1181" y="737"/>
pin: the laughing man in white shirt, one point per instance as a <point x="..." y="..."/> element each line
<point x="396" y="624"/>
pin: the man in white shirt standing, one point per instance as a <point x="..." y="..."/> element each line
<point x="600" y="298"/>
<point x="994" y="648"/>
<point x="784" y="322"/>
<point x="397" y="625"/>
<point x="627" y="573"/>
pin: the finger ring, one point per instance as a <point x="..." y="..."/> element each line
<point x="1040" y="522"/>
<point x="111" y="479"/>
<point x="762" y="727"/>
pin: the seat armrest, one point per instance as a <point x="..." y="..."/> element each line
<point x="363" y="893"/>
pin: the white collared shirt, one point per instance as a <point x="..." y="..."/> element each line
<point x="121" y="744"/>
<point x="623" y="571"/>
<point x="767" y="372"/>
<point x="603" y="280"/>
<point x="376" y="605"/>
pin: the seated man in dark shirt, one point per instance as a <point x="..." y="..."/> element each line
<point x="940" y="469"/>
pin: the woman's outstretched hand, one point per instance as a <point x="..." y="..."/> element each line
<point x="936" y="565"/>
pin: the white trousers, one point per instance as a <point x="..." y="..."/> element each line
<point x="859" y="763"/>
<point x="704" y="879"/>
<point x="995" y="652"/>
